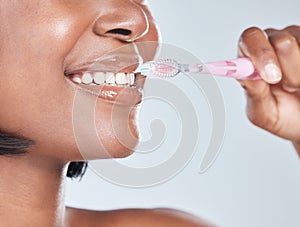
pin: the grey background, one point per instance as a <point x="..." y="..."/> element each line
<point x="256" y="179"/>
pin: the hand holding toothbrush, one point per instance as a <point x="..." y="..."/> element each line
<point x="274" y="102"/>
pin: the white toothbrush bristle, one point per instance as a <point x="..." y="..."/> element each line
<point x="161" y="68"/>
<point x="166" y="68"/>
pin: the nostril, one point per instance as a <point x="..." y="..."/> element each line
<point x="119" y="31"/>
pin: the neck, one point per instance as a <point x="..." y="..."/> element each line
<point x="31" y="191"/>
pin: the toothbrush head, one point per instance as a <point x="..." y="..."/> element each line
<point x="161" y="68"/>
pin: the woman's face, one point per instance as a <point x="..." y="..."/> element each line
<point x="43" y="40"/>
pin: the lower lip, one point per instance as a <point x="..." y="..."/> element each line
<point x="118" y="95"/>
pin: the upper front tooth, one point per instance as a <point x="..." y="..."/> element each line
<point x="76" y="79"/>
<point x="132" y="78"/>
<point x="87" y="78"/>
<point x="99" y="78"/>
<point x="110" y="78"/>
<point x="121" y="78"/>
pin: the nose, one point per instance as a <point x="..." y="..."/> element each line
<point x="123" y="20"/>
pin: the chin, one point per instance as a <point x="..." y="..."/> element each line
<point x="114" y="132"/>
<point x="122" y="135"/>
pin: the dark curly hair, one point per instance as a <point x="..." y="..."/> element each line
<point x="11" y="144"/>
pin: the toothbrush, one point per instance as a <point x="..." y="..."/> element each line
<point x="239" y="68"/>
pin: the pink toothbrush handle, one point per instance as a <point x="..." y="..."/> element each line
<point x="240" y="68"/>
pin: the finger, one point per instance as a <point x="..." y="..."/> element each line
<point x="253" y="88"/>
<point x="261" y="104"/>
<point x="288" y="53"/>
<point x="295" y="31"/>
<point x="254" y="44"/>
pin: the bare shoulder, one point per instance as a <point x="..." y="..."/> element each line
<point x="132" y="217"/>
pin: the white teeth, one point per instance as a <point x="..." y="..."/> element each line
<point x="87" y="78"/>
<point x="76" y="80"/>
<point x="110" y="78"/>
<point x="131" y="78"/>
<point x="102" y="78"/>
<point x="99" y="78"/>
<point x="121" y="79"/>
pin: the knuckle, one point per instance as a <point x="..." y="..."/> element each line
<point x="255" y="118"/>
<point x="252" y="118"/>
<point x="262" y="120"/>
<point x="292" y="28"/>
<point x="271" y="31"/>
<point x="291" y="84"/>
<point x="259" y="113"/>
<point x="250" y="33"/>
<point x="284" y="42"/>
<point x="264" y="53"/>
<point x="251" y="112"/>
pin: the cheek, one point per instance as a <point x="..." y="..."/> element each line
<point x="45" y="119"/>
<point x="35" y="100"/>
<point x="41" y="36"/>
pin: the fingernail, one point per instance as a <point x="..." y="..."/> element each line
<point x="272" y="73"/>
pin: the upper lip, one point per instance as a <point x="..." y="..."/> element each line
<point x="117" y="63"/>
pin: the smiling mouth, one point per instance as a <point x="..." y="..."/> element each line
<point x="103" y="78"/>
<point x="121" y="88"/>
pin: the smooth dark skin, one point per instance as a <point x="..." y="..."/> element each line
<point x="39" y="38"/>
<point x="274" y="103"/>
